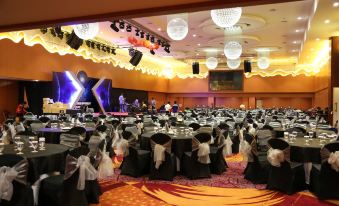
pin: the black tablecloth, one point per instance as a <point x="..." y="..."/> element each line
<point x="52" y="135"/>
<point x="44" y="161"/>
<point x="306" y="153"/>
<point x="180" y="143"/>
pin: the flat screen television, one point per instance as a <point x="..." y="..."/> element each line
<point x="224" y="80"/>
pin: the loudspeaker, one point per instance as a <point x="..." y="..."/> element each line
<point x="247" y="66"/>
<point x="136" y="58"/>
<point x="195" y="68"/>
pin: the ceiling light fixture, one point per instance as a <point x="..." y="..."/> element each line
<point x="211" y="62"/>
<point x="327" y="21"/>
<point x="194" y="35"/>
<point x="128" y="28"/>
<point x="297" y="30"/>
<point x="317" y="39"/>
<point x="233" y="63"/>
<point x="226" y="17"/>
<point x="336" y="4"/>
<point x="177" y="29"/>
<point x="263" y="63"/>
<point x="114" y="26"/>
<point x="122" y="25"/>
<point x="233" y="50"/>
<point x="159" y="29"/>
<point x="300" y="18"/>
<point x="86" y="31"/>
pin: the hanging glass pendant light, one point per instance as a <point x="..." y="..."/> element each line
<point x="226" y="17"/>
<point x="233" y="63"/>
<point x="86" y="31"/>
<point x="263" y="62"/>
<point x="211" y="62"/>
<point x="177" y="29"/>
<point x="233" y="50"/>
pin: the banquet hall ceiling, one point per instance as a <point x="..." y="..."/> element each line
<point x="294" y="32"/>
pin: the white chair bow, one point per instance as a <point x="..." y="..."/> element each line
<point x="7" y="174"/>
<point x="246" y="150"/>
<point x="122" y="147"/>
<point x="333" y="160"/>
<point x="203" y="153"/>
<point x="159" y="155"/>
<point x="275" y="157"/>
<point x="86" y="170"/>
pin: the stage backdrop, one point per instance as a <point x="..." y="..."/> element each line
<point x="130" y="96"/>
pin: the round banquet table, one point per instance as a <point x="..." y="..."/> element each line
<point x="181" y="142"/>
<point x="52" y="159"/>
<point x="302" y="153"/>
<point x="52" y="135"/>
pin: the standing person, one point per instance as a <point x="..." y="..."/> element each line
<point x="136" y="103"/>
<point x="175" y="107"/>
<point x="21" y="109"/>
<point x="122" y="103"/>
<point x="168" y="107"/>
<point x="153" y="103"/>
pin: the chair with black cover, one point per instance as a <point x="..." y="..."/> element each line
<point x="136" y="161"/>
<point x="195" y="164"/>
<point x="325" y="176"/>
<point x="162" y="122"/>
<point x="44" y="119"/>
<point x="70" y="140"/>
<point x="284" y="175"/>
<point x="268" y="127"/>
<point x="22" y="192"/>
<point x="195" y="126"/>
<point x="218" y="164"/>
<point x="256" y="170"/>
<point x="68" y="190"/>
<point x="163" y="162"/>
<point x="78" y="131"/>
<point x="300" y="131"/>
<point x="263" y="135"/>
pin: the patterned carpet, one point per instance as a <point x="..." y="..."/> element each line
<point x="229" y="188"/>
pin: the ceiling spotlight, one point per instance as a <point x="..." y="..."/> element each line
<point x="317" y="39"/>
<point x="74" y="41"/>
<point x="327" y="21"/>
<point x="92" y="45"/>
<point x="166" y="49"/>
<point x="152" y="51"/>
<point x="113" y="51"/>
<point x="98" y="46"/>
<point x="142" y="34"/>
<point x="159" y="29"/>
<point x="194" y="35"/>
<point x="300" y="18"/>
<point x="44" y="30"/>
<point x="295" y="42"/>
<point x="336" y="4"/>
<point x="163" y="44"/>
<point x="147" y="36"/>
<point x="297" y="30"/>
<point x="152" y="39"/>
<point x="137" y="32"/>
<point x="158" y="41"/>
<point x="128" y="28"/>
<point x="121" y="25"/>
<point x="114" y="27"/>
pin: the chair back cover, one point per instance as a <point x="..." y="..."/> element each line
<point x="279" y="152"/>
<point x="330" y="154"/>
<point x="195" y="126"/>
<point x="160" y="143"/>
<point x="79" y="168"/>
<point x="12" y="168"/>
<point x="70" y="140"/>
<point x="201" y="147"/>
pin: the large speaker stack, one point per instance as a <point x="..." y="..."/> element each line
<point x="247" y="66"/>
<point x="195" y="68"/>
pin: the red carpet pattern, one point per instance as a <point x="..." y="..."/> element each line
<point x="229" y="188"/>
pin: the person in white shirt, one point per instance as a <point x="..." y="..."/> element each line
<point x="168" y="107"/>
<point x="122" y="103"/>
<point x="153" y="103"/>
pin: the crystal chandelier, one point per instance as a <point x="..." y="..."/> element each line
<point x="233" y="63"/>
<point x="177" y="29"/>
<point x="233" y="50"/>
<point x="86" y="31"/>
<point x="211" y="62"/>
<point x="263" y="62"/>
<point x="226" y="17"/>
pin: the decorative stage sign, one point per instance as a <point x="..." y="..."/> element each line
<point x="102" y="92"/>
<point x="226" y="80"/>
<point x="66" y="88"/>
